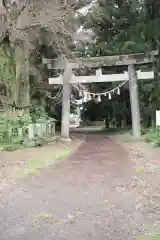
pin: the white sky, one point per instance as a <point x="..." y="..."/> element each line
<point x="85" y="35"/>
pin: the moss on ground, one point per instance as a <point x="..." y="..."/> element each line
<point x="34" y="166"/>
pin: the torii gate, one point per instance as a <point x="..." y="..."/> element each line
<point x="97" y="62"/>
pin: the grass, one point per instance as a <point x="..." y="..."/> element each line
<point x="103" y="129"/>
<point x="19" y="144"/>
<point x="155" y="236"/>
<point x="149" y="135"/>
<point x="152" y="136"/>
<point x="45" y="217"/>
<point x="118" y="130"/>
<point x="34" y="166"/>
<point x="52" y="218"/>
<point x="5" y="146"/>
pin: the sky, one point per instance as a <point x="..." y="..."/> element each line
<point x="84" y="35"/>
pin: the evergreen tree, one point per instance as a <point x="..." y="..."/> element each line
<point x="121" y="27"/>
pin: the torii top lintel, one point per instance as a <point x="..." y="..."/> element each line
<point x="96" y="62"/>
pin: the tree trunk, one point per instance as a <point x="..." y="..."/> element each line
<point x="118" y="121"/>
<point x="106" y="122"/>
<point x="21" y="86"/>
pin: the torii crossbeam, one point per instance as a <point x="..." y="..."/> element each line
<point x="99" y="77"/>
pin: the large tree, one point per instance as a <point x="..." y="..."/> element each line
<point x="26" y="26"/>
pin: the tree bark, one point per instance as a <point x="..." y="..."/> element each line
<point x="21" y="86"/>
<point x="106" y="122"/>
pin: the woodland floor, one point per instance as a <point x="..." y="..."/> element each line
<point x="107" y="189"/>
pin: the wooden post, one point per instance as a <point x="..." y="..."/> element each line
<point x="66" y="102"/>
<point x="134" y="99"/>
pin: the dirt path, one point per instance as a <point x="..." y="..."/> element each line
<point x="23" y="162"/>
<point x="147" y="182"/>
<point x="88" y="196"/>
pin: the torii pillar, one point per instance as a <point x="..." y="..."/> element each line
<point x="66" y="102"/>
<point x="134" y="99"/>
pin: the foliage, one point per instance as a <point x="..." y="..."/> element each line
<point x="118" y="28"/>
<point x="121" y="27"/>
<point x="7" y="71"/>
<point x="7" y="66"/>
<point x="9" y="127"/>
<point x="38" y="112"/>
<point x="152" y="136"/>
<point x="23" y="21"/>
<point x="14" y="129"/>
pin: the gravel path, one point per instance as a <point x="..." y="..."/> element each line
<point x="87" y="196"/>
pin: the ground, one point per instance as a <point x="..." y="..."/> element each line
<point x="23" y="162"/>
<point x="107" y="189"/>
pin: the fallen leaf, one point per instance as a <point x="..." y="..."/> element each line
<point x="120" y="189"/>
<point x="96" y="221"/>
<point x="140" y="169"/>
<point x="56" y="221"/>
<point x="70" y="218"/>
<point x="28" y="197"/>
<point x="35" y="222"/>
<point x="23" y="190"/>
<point x="78" y="212"/>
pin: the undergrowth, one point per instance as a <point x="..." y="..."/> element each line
<point x="152" y="136"/>
<point x="36" y="142"/>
